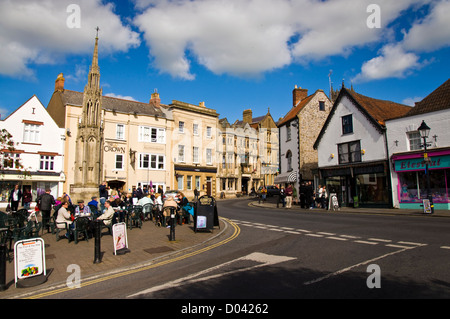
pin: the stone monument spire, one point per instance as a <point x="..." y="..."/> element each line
<point x="89" y="156"/>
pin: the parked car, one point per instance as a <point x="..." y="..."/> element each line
<point x="271" y="190"/>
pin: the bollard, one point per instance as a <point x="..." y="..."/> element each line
<point x="97" y="235"/>
<point x="2" y="267"/>
<point x="172" y="225"/>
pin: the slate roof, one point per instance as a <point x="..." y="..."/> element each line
<point x="115" y="104"/>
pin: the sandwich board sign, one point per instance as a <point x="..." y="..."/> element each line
<point x="120" y="238"/>
<point x="333" y="204"/>
<point x="29" y="261"/>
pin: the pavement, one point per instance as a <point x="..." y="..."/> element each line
<point x="271" y="204"/>
<point x="147" y="245"/>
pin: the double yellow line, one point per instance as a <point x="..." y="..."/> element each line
<point x="236" y="233"/>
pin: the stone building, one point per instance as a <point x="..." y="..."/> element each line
<point x="299" y="129"/>
<point x="247" y="153"/>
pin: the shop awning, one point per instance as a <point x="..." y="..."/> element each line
<point x="289" y="177"/>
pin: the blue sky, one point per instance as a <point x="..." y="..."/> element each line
<point x="233" y="55"/>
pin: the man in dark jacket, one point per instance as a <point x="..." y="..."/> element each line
<point x="14" y="197"/>
<point x="45" y="202"/>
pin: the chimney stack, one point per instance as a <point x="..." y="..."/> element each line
<point x="59" y="83"/>
<point x="248" y="116"/>
<point x="299" y="95"/>
<point x="155" y="100"/>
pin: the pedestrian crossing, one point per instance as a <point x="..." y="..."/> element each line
<point x="370" y="241"/>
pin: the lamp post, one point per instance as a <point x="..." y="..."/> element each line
<point x="424" y="131"/>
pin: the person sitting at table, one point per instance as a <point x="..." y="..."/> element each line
<point x="117" y="205"/>
<point x="145" y="200"/>
<point x="82" y="211"/>
<point x="64" y="218"/>
<point x="93" y="201"/>
<point x="108" y="215"/>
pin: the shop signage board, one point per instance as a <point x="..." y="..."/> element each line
<point x="29" y="259"/>
<point x="120" y="238"/>
<point x="333" y="203"/>
<point x="415" y="164"/>
<point x="426" y="206"/>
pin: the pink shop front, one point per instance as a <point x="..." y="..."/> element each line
<point x="412" y="181"/>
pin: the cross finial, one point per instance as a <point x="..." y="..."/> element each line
<point x="98" y="29"/>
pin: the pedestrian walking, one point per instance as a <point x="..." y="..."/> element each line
<point x="45" y="203"/>
<point x="289" y="194"/>
<point x="324" y="197"/>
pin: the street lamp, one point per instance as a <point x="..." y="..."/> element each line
<point x="424" y="131"/>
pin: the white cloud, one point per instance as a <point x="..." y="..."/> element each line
<point x="411" y="101"/>
<point x="118" y="96"/>
<point x="425" y="35"/>
<point x="36" y="32"/>
<point x="393" y="62"/>
<point x="249" y="37"/>
<point x="431" y="33"/>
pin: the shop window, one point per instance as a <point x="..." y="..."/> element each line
<point x="413" y="186"/>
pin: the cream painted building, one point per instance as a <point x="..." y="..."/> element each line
<point x="194" y="143"/>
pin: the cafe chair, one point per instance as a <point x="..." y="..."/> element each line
<point x="147" y="210"/>
<point x="135" y="216"/>
<point x="81" y="226"/>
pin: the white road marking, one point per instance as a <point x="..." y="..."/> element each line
<point x="314" y="235"/>
<point x="350" y="237"/>
<point x="357" y="265"/>
<point x="326" y="234"/>
<point x="445" y="247"/>
<point x="409" y="243"/>
<point x="262" y="259"/>
<point x="397" y="246"/>
<point x="365" y="242"/>
<point x="337" y="238"/>
<point x="381" y="240"/>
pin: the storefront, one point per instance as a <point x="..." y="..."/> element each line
<point x="410" y="179"/>
<point x="188" y="178"/>
<point x="358" y="185"/>
<point x="36" y="183"/>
